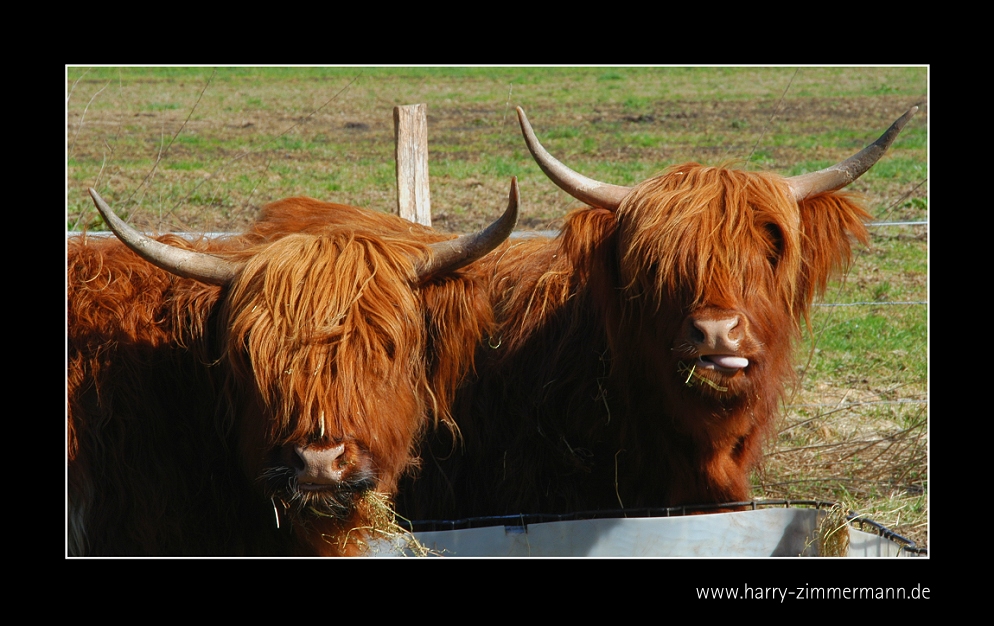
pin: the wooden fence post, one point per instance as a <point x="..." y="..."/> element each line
<point x="411" y="129"/>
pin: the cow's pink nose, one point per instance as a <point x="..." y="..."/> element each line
<point x="319" y="467"/>
<point x="717" y="336"/>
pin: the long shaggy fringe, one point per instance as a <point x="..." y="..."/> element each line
<point x="456" y="310"/>
<point x="698" y="235"/>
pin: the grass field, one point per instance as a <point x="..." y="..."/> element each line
<point x="201" y="149"/>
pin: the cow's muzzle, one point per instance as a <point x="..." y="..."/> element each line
<point x="714" y="340"/>
<point x="323" y="479"/>
<point x="320" y="467"/>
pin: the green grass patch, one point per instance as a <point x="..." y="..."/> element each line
<point x="162" y="106"/>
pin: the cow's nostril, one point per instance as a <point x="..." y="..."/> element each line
<point x="697" y="335"/>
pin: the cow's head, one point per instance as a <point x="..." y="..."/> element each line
<point x="334" y="348"/>
<point x="716" y="266"/>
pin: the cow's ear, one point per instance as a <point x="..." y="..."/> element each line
<point x="829" y="223"/>
<point x="458" y="316"/>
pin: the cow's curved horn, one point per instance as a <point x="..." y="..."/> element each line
<point x="844" y="173"/>
<point x="584" y="189"/>
<point x="200" y="266"/>
<point x="455" y="253"/>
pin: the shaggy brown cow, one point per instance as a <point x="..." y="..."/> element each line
<point x="261" y="394"/>
<point x="641" y="355"/>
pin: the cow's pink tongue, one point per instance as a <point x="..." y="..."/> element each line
<point x="728" y="362"/>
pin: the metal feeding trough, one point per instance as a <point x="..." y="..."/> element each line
<point x="770" y="529"/>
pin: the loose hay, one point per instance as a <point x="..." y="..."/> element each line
<point x="833" y="533"/>
<point x="378" y="509"/>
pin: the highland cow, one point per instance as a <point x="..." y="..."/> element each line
<point x="641" y="356"/>
<point x="261" y="394"/>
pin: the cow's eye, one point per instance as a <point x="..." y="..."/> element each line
<point x="775" y="240"/>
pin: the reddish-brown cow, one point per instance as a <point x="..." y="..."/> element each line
<point x="641" y="355"/>
<point x="261" y="394"/>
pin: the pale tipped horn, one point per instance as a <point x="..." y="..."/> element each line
<point x="200" y="266"/>
<point x="844" y="173"/>
<point x="452" y="254"/>
<point x="588" y="190"/>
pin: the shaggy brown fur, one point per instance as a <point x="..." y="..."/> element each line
<point x="586" y="398"/>
<point x="186" y="400"/>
